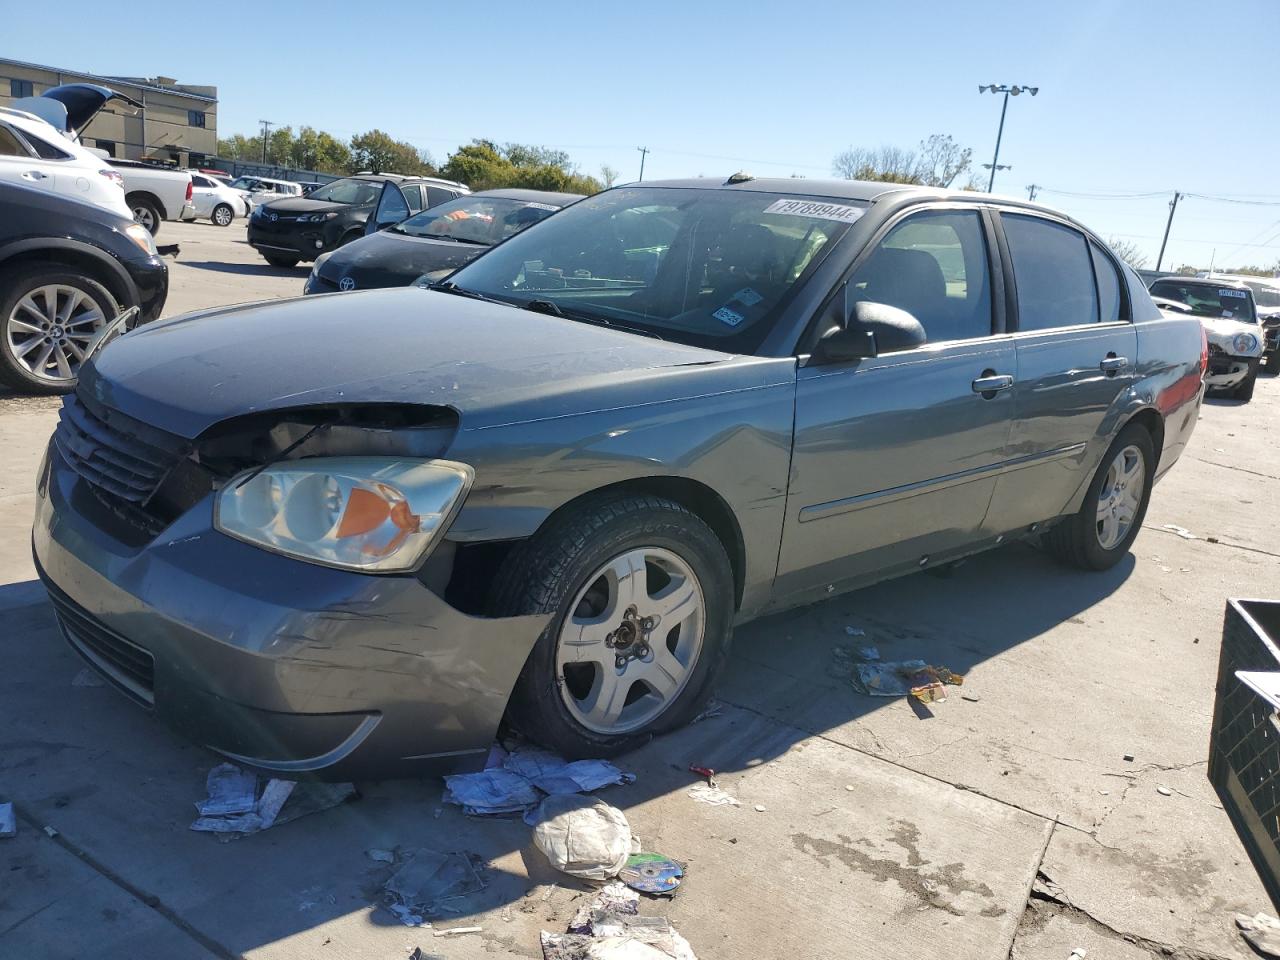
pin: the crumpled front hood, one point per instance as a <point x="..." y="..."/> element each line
<point x="1222" y="331"/>
<point x="493" y="363"/>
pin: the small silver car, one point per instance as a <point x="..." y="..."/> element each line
<point x="351" y="533"/>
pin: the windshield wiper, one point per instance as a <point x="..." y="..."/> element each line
<point x="448" y="286"/>
<point x="554" y="309"/>
<point x="549" y="306"/>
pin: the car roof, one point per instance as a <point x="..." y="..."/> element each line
<point x="531" y="196"/>
<point x="1203" y="281"/>
<point x="402" y="178"/>
<point x="1273" y="282"/>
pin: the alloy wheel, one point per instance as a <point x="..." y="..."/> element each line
<point x="51" y="327"/>
<point x="631" y="641"/>
<point x="222" y="215"/>
<point x="1120" y="497"/>
<point x="146" y="217"/>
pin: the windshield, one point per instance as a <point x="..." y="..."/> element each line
<point x="358" y="192"/>
<point x="710" y="268"/>
<point x="1206" y="300"/>
<point x="476" y="219"/>
<point x="246" y="183"/>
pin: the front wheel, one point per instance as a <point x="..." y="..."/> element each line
<point x="642" y="593"/>
<point x="223" y="215"/>
<point x="1101" y="532"/>
<point x="1244" y="391"/>
<point x="278" y="261"/>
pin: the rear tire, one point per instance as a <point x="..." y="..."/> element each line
<point x="560" y="699"/>
<point x="278" y="261"/>
<point x="1079" y="540"/>
<point x="145" y="212"/>
<point x="223" y="215"/>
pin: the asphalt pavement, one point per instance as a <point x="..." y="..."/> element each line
<point x="1004" y="822"/>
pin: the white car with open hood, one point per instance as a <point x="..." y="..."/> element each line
<point x="1231" y="327"/>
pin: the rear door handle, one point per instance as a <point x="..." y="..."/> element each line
<point x="35" y="175"/>
<point x="991" y="383"/>
<point x="1113" y="364"/>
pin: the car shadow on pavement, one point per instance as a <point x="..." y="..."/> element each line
<point x="120" y="787"/>
<point x="248" y="269"/>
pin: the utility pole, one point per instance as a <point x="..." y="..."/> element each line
<point x="643" y="153"/>
<point x="1173" y="205"/>
<point x="1032" y="188"/>
<point x="1007" y="91"/>
<point x="266" y="129"/>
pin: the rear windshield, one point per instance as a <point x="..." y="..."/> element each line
<point x="475" y="219"/>
<point x="710" y="268"/>
<point x="1206" y="300"/>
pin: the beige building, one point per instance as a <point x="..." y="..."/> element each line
<point x="178" y="122"/>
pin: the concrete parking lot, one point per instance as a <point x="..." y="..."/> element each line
<point x="1007" y="823"/>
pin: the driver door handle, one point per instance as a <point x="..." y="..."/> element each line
<point x="35" y="175"/>
<point x="992" y="383"/>
<point x="1113" y="364"/>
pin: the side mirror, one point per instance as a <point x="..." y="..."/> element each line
<point x="392" y="208"/>
<point x="873" y="329"/>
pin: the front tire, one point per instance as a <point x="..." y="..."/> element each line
<point x="49" y="314"/>
<point x="223" y="215"/>
<point x="642" y="593"/>
<point x="1102" y="531"/>
<point x="1244" y="391"/>
<point x="278" y="261"/>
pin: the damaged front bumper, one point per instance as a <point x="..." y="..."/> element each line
<point x="274" y="662"/>
<point x="1227" y="372"/>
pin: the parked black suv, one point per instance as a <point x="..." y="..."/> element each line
<point x="292" y="229"/>
<point x="67" y="269"/>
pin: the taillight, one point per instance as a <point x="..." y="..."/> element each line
<point x="188" y="189"/>
<point x="1204" y="351"/>
<point x="114" y="176"/>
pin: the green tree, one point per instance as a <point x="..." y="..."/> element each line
<point x="239" y="147"/>
<point x="378" y="151"/>
<point x="280" y="146"/>
<point x="483" y="165"/>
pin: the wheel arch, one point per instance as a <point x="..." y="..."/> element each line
<point x="1150" y="419"/>
<point x="78" y="256"/>
<point x="150" y="197"/>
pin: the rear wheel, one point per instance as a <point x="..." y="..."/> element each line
<point x="1101" y="532"/>
<point x="50" y="315"/>
<point x="642" y="593"/>
<point x="145" y="212"/>
<point x="278" y="261"/>
<point x="223" y="215"/>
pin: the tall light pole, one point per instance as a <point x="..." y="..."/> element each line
<point x="266" y="129"/>
<point x="1007" y="91"/>
<point x="644" y="152"/>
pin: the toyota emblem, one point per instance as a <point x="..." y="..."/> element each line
<point x="274" y="217"/>
<point x="346" y="283"/>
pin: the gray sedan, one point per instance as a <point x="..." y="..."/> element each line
<point x="351" y="533"/>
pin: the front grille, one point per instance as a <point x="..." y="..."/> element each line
<point x="121" y="458"/>
<point x="124" y="663"/>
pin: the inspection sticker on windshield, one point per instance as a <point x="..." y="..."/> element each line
<point x="730" y="318"/>
<point x="822" y="211"/>
<point x="1232" y="293"/>
<point x="542" y="206"/>
<point x="747" y="297"/>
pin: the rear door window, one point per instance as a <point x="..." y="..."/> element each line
<point x="438" y="195"/>
<point x="1104" y="270"/>
<point x="1053" y="273"/>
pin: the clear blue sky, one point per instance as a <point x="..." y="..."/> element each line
<point x="1135" y="97"/>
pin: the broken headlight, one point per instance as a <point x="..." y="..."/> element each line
<point x="374" y="514"/>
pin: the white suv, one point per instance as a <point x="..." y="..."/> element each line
<point x="34" y="154"/>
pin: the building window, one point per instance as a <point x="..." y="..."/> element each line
<point x="21" y="88"/>
<point x="107" y="145"/>
<point x="195" y="118"/>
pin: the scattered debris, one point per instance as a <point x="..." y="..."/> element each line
<point x="50" y="832"/>
<point x="582" y="836"/>
<point x="1164" y="569"/>
<point x="650" y="873"/>
<point x="615" y="936"/>
<point x="419" y="955"/>
<point x="971" y="697"/>
<point x="760" y="808"/>
<point x="1128" y="758"/>
<point x="1211" y="539"/>
<point x="1164" y="791"/>
<point x="234" y="806"/>
<point x="1079" y="953"/>
<point x="710" y="793"/>
<point x="1262" y="931"/>
<point x="452" y="931"/>
<point x="613" y="897"/>
<point x="87" y="678"/>
<point x="849" y="787"/>
<point x="704" y="772"/>
<point x="902" y="677"/>
<point x="428" y="882"/>
<point x="527" y="774"/>
<point x="381" y="856"/>
<point x="714" y="709"/>
<point x="8" y="821"/>
<point x="1183" y="532"/>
